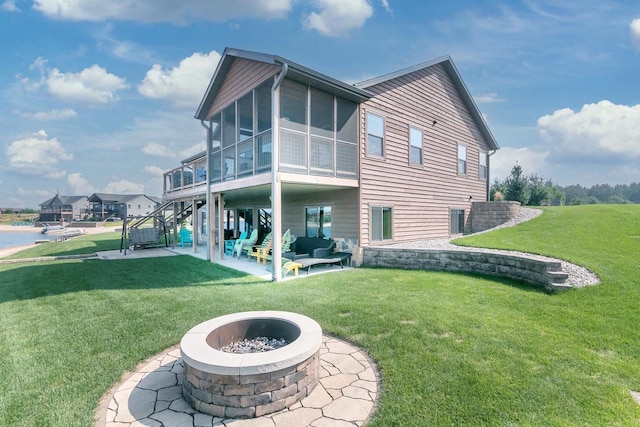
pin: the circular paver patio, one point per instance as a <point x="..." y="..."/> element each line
<point x="345" y="396"/>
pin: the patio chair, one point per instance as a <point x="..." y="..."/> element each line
<point x="244" y="244"/>
<point x="256" y="250"/>
<point x="185" y="238"/>
<point x="229" y="245"/>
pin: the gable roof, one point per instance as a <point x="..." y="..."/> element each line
<point x="65" y="200"/>
<point x="294" y="71"/>
<point x="455" y="77"/>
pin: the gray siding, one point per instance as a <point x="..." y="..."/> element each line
<point x="243" y="76"/>
<point x="420" y="196"/>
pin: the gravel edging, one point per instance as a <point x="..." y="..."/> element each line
<point x="578" y="276"/>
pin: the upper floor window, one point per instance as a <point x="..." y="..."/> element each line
<point x="415" y="146"/>
<point x="482" y="165"/>
<point x="375" y="134"/>
<point x="462" y="159"/>
<point x="293" y="105"/>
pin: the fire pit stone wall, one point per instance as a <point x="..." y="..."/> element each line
<point x="231" y="385"/>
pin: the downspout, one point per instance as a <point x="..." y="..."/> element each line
<point x="208" y="186"/>
<point x="276" y="185"/>
<point x="488" y="174"/>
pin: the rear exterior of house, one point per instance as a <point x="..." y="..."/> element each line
<point x="392" y="159"/>
<point x="63" y="208"/>
<point x="104" y="206"/>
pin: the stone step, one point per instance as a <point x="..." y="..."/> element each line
<point x="557" y="277"/>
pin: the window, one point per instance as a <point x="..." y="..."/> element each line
<point x="415" y="146"/>
<point x="229" y="125"/>
<point x="245" y="117"/>
<point x="375" y="134"/>
<point x="462" y="160"/>
<point x="457" y="221"/>
<point x="381" y="224"/>
<point x="482" y="166"/>
<point x="318" y="221"/>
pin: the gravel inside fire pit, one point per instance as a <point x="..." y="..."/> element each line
<point x="256" y="345"/>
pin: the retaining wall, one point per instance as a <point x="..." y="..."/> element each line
<point x="486" y="215"/>
<point x="544" y="273"/>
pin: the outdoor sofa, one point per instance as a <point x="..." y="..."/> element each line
<point x="309" y="251"/>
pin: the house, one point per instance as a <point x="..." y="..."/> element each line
<point x="104" y="206"/>
<point x="63" y="208"/>
<point x="393" y="159"/>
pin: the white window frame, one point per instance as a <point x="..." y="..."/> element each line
<point x="370" y="133"/>
<point x="483" y="171"/>
<point x="414" y="143"/>
<point x="381" y="210"/>
<point x="462" y="160"/>
<point x="457" y="212"/>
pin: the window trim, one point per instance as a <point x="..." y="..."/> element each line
<point x="458" y="159"/>
<point x="383" y="136"/>
<point x="483" y="155"/>
<point x="451" y="211"/>
<point x="418" y="129"/>
<point x="383" y="240"/>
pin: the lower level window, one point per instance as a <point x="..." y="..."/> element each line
<point x="318" y="221"/>
<point x="457" y="221"/>
<point x="381" y="224"/>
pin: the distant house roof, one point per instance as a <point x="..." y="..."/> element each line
<point x="294" y="71"/>
<point x="65" y="200"/>
<point x="118" y="198"/>
<point x="466" y="97"/>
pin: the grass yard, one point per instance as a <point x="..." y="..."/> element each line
<point x="454" y="349"/>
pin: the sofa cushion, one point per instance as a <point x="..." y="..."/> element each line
<point x="315" y="247"/>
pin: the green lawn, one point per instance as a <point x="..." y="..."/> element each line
<point x="453" y="349"/>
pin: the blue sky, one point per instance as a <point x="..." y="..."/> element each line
<point x="100" y="96"/>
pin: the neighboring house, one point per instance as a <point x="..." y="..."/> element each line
<point x="105" y="206"/>
<point x="65" y="208"/>
<point x="392" y="159"/>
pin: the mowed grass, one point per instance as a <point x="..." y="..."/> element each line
<point x="453" y="349"/>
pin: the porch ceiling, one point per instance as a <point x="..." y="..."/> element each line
<point x="288" y="189"/>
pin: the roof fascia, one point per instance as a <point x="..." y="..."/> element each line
<point x="456" y="78"/>
<point x="296" y="72"/>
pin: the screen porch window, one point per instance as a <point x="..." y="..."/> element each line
<point x="318" y="221"/>
<point x="415" y="146"/>
<point x="462" y="159"/>
<point x="381" y="223"/>
<point x="457" y="221"/>
<point x="375" y="134"/>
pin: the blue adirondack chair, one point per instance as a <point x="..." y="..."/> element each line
<point x="185" y="238"/>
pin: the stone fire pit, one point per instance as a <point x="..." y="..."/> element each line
<point x="230" y="385"/>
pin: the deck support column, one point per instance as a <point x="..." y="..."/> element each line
<point x="194" y="222"/>
<point x="220" y="226"/>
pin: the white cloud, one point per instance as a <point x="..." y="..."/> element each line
<point x="37" y="155"/>
<point x="80" y="185"/>
<point x="93" y="85"/>
<point x="179" y="12"/>
<point x="602" y="130"/>
<point x="385" y="4"/>
<point x="635" y="33"/>
<point x="183" y="85"/>
<point x="532" y="161"/>
<point x="158" y="150"/>
<point x="10" y="6"/>
<point x="193" y="150"/>
<point x="488" y="98"/>
<point x="154" y="170"/>
<point x="124" y="187"/>
<point x="51" y="115"/>
<point x="337" y="17"/>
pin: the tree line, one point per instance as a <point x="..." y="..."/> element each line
<point x="534" y="190"/>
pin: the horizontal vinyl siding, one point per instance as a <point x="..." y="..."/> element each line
<point x="243" y="76"/>
<point x="344" y="211"/>
<point x="420" y="196"/>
